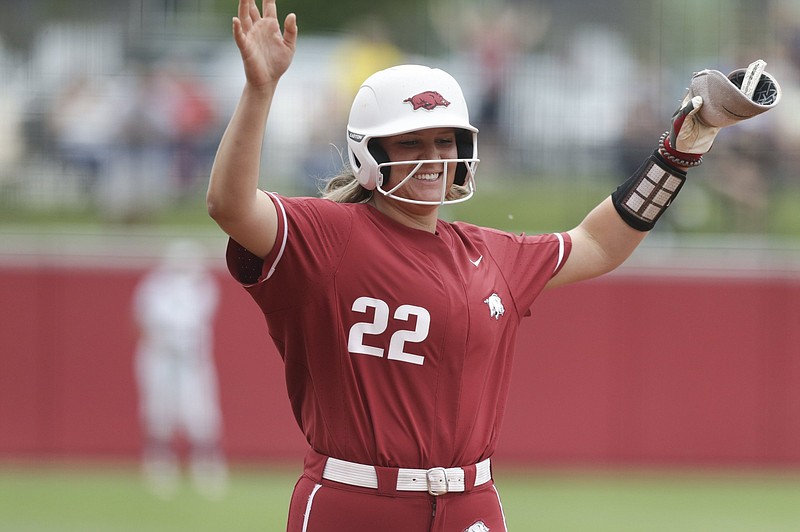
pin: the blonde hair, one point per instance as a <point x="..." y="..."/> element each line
<point x="345" y="188"/>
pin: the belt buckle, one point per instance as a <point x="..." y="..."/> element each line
<point x="437" y="481"/>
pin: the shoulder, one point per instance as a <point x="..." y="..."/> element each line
<point x="515" y="246"/>
<point x="289" y="205"/>
<point x="490" y="234"/>
<point x="311" y="215"/>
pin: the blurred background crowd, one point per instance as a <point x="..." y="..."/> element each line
<point x="118" y="107"/>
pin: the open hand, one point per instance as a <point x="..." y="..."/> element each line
<point x="266" y="51"/>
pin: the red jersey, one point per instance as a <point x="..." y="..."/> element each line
<point x="397" y="342"/>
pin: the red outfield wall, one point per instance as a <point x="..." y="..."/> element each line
<point x="624" y="369"/>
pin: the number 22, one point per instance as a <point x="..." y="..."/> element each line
<point x="379" y="324"/>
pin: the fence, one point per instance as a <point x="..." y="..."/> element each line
<point x="654" y="364"/>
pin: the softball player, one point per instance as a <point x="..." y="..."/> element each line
<point x="174" y="307"/>
<point x="397" y="328"/>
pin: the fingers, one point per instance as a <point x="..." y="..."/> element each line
<point x="688" y="106"/>
<point x="697" y="103"/>
<point x="249" y="16"/>
<point x="255" y="16"/>
<point x="290" y="30"/>
<point x="248" y="13"/>
<point x="243" y="14"/>
<point x="269" y="9"/>
<point x="238" y="32"/>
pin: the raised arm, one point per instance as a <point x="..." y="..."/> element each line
<point x="600" y="243"/>
<point x="233" y="198"/>
<point x="613" y="229"/>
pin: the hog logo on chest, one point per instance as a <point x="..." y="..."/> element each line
<point x="496" y="308"/>
<point x="479" y="526"/>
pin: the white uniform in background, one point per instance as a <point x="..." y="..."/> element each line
<point x="174" y="306"/>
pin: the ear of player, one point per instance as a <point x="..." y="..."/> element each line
<point x="712" y="101"/>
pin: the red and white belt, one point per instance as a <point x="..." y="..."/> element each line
<point x="436" y="480"/>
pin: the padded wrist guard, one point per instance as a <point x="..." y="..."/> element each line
<point x="643" y="198"/>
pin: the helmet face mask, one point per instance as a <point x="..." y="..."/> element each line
<point x="400" y="100"/>
<point x="468" y="184"/>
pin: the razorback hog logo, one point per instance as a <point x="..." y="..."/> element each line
<point x="496" y="308"/>
<point x="479" y="526"/>
<point x="427" y="100"/>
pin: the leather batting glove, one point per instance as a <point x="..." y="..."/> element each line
<point x="689" y="137"/>
<point x="714" y="101"/>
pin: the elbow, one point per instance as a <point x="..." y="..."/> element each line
<point x="216" y="208"/>
<point x="212" y="207"/>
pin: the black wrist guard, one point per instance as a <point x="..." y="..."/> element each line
<point x="644" y="197"/>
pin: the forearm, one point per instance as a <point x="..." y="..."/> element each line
<point x="612" y="230"/>
<point x="600" y="243"/>
<point x="611" y="240"/>
<point x="233" y="186"/>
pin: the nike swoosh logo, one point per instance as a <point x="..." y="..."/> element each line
<point x="477" y="261"/>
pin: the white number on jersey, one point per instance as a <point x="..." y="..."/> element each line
<point x="379" y="324"/>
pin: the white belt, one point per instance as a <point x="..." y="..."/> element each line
<point x="436" y="481"/>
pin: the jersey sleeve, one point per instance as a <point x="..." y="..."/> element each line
<point x="312" y="235"/>
<point x="528" y="262"/>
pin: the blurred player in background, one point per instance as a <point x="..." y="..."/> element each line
<point x="397" y="328"/>
<point x="174" y="308"/>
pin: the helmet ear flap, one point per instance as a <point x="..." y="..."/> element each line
<point x="380" y="156"/>
<point x="465" y="148"/>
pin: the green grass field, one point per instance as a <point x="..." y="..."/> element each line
<point x="94" y="499"/>
<point x="530" y="205"/>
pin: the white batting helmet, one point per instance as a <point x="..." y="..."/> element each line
<point x="402" y="99"/>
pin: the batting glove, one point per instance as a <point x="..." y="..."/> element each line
<point x="714" y="101"/>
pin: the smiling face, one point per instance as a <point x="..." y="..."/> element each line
<point x="429" y="182"/>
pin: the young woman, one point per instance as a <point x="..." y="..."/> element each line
<point x="397" y="328"/>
